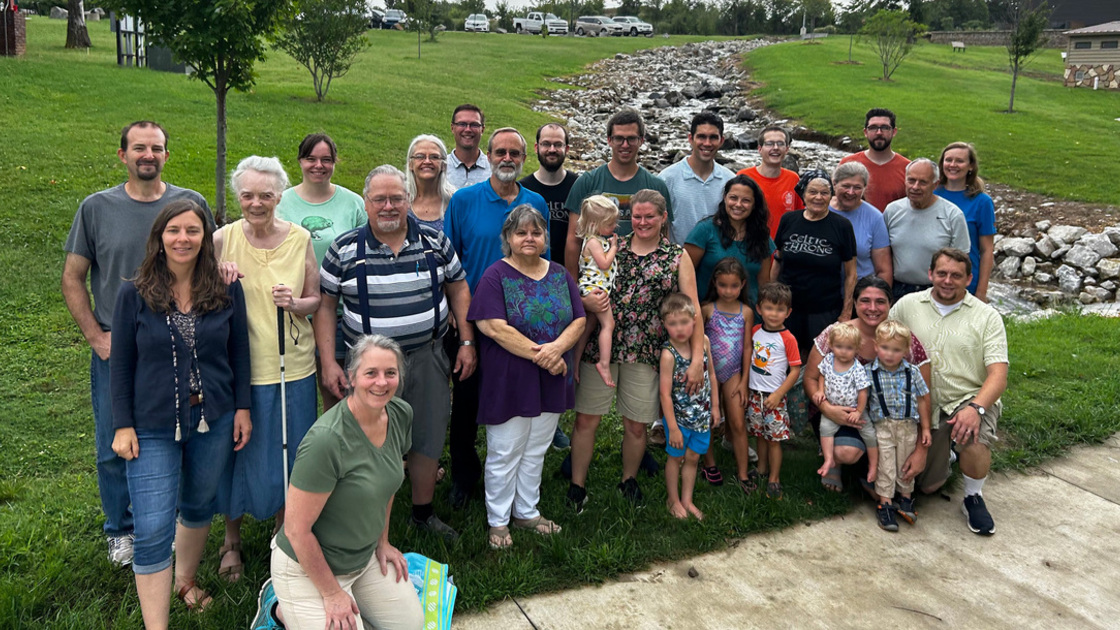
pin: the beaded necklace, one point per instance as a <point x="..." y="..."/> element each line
<point x="202" y="426"/>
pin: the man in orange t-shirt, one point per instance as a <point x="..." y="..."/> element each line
<point x="777" y="183"/>
<point x="887" y="168"/>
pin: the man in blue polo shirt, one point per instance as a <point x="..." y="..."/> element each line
<point x="696" y="182"/>
<point x="473" y="223"/>
<point x="398" y="278"/>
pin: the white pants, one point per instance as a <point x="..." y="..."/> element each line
<point x="383" y="602"/>
<point x="515" y="453"/>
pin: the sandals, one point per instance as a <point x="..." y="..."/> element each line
<point x="540" y="525"/>
<point x="713" y="475"/>
<point x="200" y="601"/>
<point x="230" y="573"/>
<point x="774" y="490"/>
<point x="831" y="480"/>
<point x="500" y="538"/>
<point x="748" y="485"/>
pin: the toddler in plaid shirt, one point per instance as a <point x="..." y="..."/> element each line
<point x="898" y="405"/>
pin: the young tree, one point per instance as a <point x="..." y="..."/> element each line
<point x="424" y="16"/>
<point x="221" y="40"/>
<point x="851" y="20"/>
<point x="77" y="35"/>
<point x="890" y="34"/>
<point x="1027" y="23"/>
<point x="324" y="37"/>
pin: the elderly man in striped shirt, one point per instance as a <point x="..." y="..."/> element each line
<point x="398" y="278"/>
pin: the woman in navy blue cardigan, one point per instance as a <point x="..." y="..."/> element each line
<point x="180" y="389"/>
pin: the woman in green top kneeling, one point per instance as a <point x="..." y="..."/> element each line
<point x="332" y="564"/>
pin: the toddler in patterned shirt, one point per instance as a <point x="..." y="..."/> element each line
<point x="843" y="382"/>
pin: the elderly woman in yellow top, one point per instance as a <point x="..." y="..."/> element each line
<point x="277" y="261"/>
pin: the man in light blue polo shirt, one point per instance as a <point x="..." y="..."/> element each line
<point x="473" y="223"/>
<point x="696" y="182"/>
<point x="466" y="165"/>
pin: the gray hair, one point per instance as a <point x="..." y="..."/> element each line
<point x="490" y="142"/>
<point x="521" y="215"/>
<point x="385" y="169"/>
<point x="443" y="185"/>
<point x="931" y="163"/>
<point x="367" y="342"/>
<point x="849" y="170"/>
<point x="266" y="165"/>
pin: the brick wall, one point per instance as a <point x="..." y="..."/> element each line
<point x="13" y="34"/>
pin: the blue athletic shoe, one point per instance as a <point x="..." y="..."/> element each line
<point x="266" y="604"/>
<point x="561" y="442"/>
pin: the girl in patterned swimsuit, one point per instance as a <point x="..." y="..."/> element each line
<point x="598" y="218"/>
<point x="728" y="320"/>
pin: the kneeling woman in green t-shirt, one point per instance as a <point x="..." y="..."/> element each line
<point x="332" y="564"/>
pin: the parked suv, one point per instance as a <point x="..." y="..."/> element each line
<point x="394" y="17"/>
<point x="477" y="22"/>
<point x="597" y="25"/>
<point x="632" y="26"/>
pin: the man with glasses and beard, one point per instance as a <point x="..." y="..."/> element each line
<point x="887" y="168"/>
<point x="619" y="178"/>
<point x="107" y="243"/>
<point x="553" y="182"/>
<point x="473" y="223"/>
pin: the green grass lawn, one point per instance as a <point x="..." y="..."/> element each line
<point x="1061" y="141"/>
<point x="62" y="111"/>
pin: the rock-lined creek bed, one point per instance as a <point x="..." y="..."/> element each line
<point x="1049" y="251"/>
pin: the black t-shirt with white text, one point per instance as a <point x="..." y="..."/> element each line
<point x="812" y="254"/>
<point x="554" y="196"/>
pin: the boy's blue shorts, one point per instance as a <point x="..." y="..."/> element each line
<point x="695" y="441"/>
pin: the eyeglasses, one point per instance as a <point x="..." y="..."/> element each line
<point x="774" y="144"/>
<point x="879" y="128"/>
<point x="551" y="145"/>
<point x="626" y="140"/>
<point x="512" y="153"/>
<point x="473" y="126"/>
<point x="325" y="161"/>
<point x="395" y="200"/>
<point x="431" y="157"/>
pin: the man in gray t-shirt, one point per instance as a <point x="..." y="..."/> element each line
<point x="107" y="242"/>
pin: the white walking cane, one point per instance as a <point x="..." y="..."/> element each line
<point x="283" y="397"/>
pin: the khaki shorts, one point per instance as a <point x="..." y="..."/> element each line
<point x="937" y="458"/>
<point x="637" y="391"/>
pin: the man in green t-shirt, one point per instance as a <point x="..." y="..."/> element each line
<point x="619" y="178"/>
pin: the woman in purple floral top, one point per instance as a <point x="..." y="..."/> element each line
<point x="649" y="269"/>
<point x="530" y="315"/>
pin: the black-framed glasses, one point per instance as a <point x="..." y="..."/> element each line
<point x="626" y="140"/>
<point x="879" y="128"/>
<point x="465" y="125"/>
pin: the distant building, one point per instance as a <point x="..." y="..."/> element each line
<point x="1067" y="14"/>
<point x="1093" y="57"/>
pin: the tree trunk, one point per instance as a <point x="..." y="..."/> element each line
<point x="851" y="41"/>
<point x="77" y="36"/>
<point x="417" y="43"/>
<point x="1014" y="79"/>
<point x="220" y="89"/>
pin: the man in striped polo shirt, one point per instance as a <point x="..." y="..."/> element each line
<point x="398" y="278"/>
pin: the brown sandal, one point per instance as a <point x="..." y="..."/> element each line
<point x="200" y="602"/>
<point x="231" y="573"/>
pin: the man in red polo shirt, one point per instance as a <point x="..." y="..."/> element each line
<point x="777" y="183"/>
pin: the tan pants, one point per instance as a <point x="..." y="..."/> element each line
<point x="383" y="602"/>
<point x="897" y="439"/>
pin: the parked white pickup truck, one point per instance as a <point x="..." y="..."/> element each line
<point x="531" y="23"/>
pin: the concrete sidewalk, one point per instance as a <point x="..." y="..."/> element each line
<point x="1054" y="562"/>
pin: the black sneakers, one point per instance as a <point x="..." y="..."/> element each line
<point x="630" y="490"/>
<point x="906" y="510"/>
<point x="885" y="513"/>
<point x="577" y="496"/>
<point x="979" y="519"/>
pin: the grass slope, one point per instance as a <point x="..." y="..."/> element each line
<point x="1061" y="141"/>
<point x="62" y="111"/>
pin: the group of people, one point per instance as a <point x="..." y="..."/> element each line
<point x="682" y="298"/>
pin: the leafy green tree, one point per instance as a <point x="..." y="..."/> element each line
<point x="851" y="20"/>
<point x="470" y="7"/>
<point x="324" y="37"/>
<point x="891" y="36"/>
<point x="425" y="16"/>
<point x="221" y="40"/>
<point x="1027" y="22"/>
<point x="504" y="14"/>
<point x="629" y="7"/>
<point x="817" y="11"/>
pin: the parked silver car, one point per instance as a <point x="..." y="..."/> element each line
<point x="596" y="25"/>
<point x="632" y="26"/>
<point x="477" y="22"/>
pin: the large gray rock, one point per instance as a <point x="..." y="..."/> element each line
<point x="1100" y="293"/>
<point x="1087" y="298"/>
<point x="1110" y="285"/>
<point x="58" y="13"/>
<point x="1109" y="267"/>
<point x="1061" y="252"/>
<point x="745" y="114"/>
<point x="1028" y="267"/>
<point x="1009" y="268"/>
<point x="1045" y="246"/>
<point x="1113" y="234"/>
<point x="1081" y="256"/>
<point x="1099" y="243"/>
<point x="1016" y="246"/>
<point x="1068" y="279"/>
<point x="1043" y="278"/>
<point x="1042" y="226"/>
<point x="1066" y="234"/>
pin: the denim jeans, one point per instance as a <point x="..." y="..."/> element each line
<point x="167" y="475"/>
<point x="112" y="481"/>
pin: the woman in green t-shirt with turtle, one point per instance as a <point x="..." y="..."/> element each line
<point x="332" y="564"/>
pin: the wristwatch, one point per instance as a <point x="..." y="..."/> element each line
<point x="980" y="410"/>
<point x="470" y="342"/>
